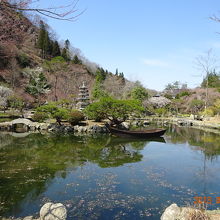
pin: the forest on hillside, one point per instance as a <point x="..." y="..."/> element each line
<point x="36" y="68"/>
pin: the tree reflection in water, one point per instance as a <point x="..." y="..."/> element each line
<point x="29" y="165"/>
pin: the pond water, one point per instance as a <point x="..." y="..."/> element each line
<point x="104" y="177"/>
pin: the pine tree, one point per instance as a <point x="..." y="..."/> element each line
<point x="116" y="72"/>
<point x="76" y="60"/>
<point x="67" y="44"/>
<point x="55" y="49"/>
<point x="64" y="54"/>
<point x="41" y="38"/>
<point x="44" y="42"/>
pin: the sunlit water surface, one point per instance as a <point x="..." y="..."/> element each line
<point x="104" y="177"/>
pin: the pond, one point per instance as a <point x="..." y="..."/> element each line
<point x="105" y="177"/>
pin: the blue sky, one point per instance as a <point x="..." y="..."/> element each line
<point x="153" y="41"/>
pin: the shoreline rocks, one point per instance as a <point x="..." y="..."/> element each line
<point x="24" y="125"/>
<point x="174" y="212"/>
<point x="49" y="211"/>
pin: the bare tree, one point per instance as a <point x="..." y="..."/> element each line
<point x="206" y="63"/>
<point x="5" y="93"/>
<point x="61" y="12"/>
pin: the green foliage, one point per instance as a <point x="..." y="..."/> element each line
<point x="196" y="105"/>
<point x="51" y="108"/>
<point x="115" y="110"/>
<point x="213" y="110"/>
<point x="56" y="49"/>
<point x="65" y="52"/>
<point x="37" y="85"/>
<point x="43" y="40"/>
<point x="55" y="60"/>
<point x="139" y="93"/>
<point x="61" y="114"/>
<point x="98" y="92"/>
<point x="53" y="111"/>
<point x="75" y="117"/>
<point x="16" y="102"/>
<point x="64" y="103"/>
<point x="184" y="93"/>
<point x="95" y="111"/>
<point x="55" y="64"/>
<point x="168" y="96"/>
<point x="65" y="55"/>
<point x="174" y="85"/>
<point x="208" y="112"/>
<point x="212" y="80"/>
<point x="76" y="60"/>
<point x="40" y="116"/>
<point x="49" y="48"/>
<point x="161" y="111"/>
<point x="23" y="60"/>
<point x="101" y="75"/>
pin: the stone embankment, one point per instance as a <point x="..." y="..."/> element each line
<point x="28" y="125"/>
<point x="202" y="123"/>
<point x="50" y="211"/>
<point x="173" y="212"/>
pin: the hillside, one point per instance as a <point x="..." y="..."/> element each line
<point x="19" y="55"/>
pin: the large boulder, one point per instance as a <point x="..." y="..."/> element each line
<point x="171" y="213"/>
<point x="51" y="211"/>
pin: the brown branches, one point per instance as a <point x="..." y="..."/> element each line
<point x="62" y="12"/>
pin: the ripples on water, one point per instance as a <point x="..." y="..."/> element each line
<point x="104" y="177"/>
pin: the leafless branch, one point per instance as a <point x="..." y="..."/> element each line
<point x="63" y="12"/>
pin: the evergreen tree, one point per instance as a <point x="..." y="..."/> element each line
<point x="116" y="72"/>
<point x="121" y="75"/>
<point x="65" y="52"/>
<point x="56" y="49"/>
<point x="67" y="44"/>
<point x="212" y="80"/>
<point x="42" y="38"/>
<point x="46" y="45"/>
<point x="44" y="42"/>
<point x="76" y="60"/>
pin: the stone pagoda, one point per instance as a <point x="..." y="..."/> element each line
<point x="83" y="97"/>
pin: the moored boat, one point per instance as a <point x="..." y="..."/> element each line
<point x="140" y="134"/>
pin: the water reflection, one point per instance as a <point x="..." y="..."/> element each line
<point x="206" y="141"/>
<point x="29" y="163"/>
<point x="128" y="178"/>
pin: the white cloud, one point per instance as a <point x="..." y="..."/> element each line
<point x="155" y="63"/>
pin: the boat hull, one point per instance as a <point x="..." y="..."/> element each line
<point x="138" y="134"/>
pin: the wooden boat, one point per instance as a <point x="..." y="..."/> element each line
<point x="152" y="133"/>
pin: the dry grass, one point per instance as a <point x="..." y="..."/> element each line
<point x="197" y="214"/>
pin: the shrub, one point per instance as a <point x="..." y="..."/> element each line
<point x="184" y="93"/>
<point x="61" y="114"/>
<point x="94" y="111"/>
<point x="75" y="117"/>
<point x="161" y="111"/>
<point x="40" y="116"/>
<point x="23" y="60"/>
<point x="115" y="110"/>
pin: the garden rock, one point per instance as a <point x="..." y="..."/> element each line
<point x="51" y="211"/>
